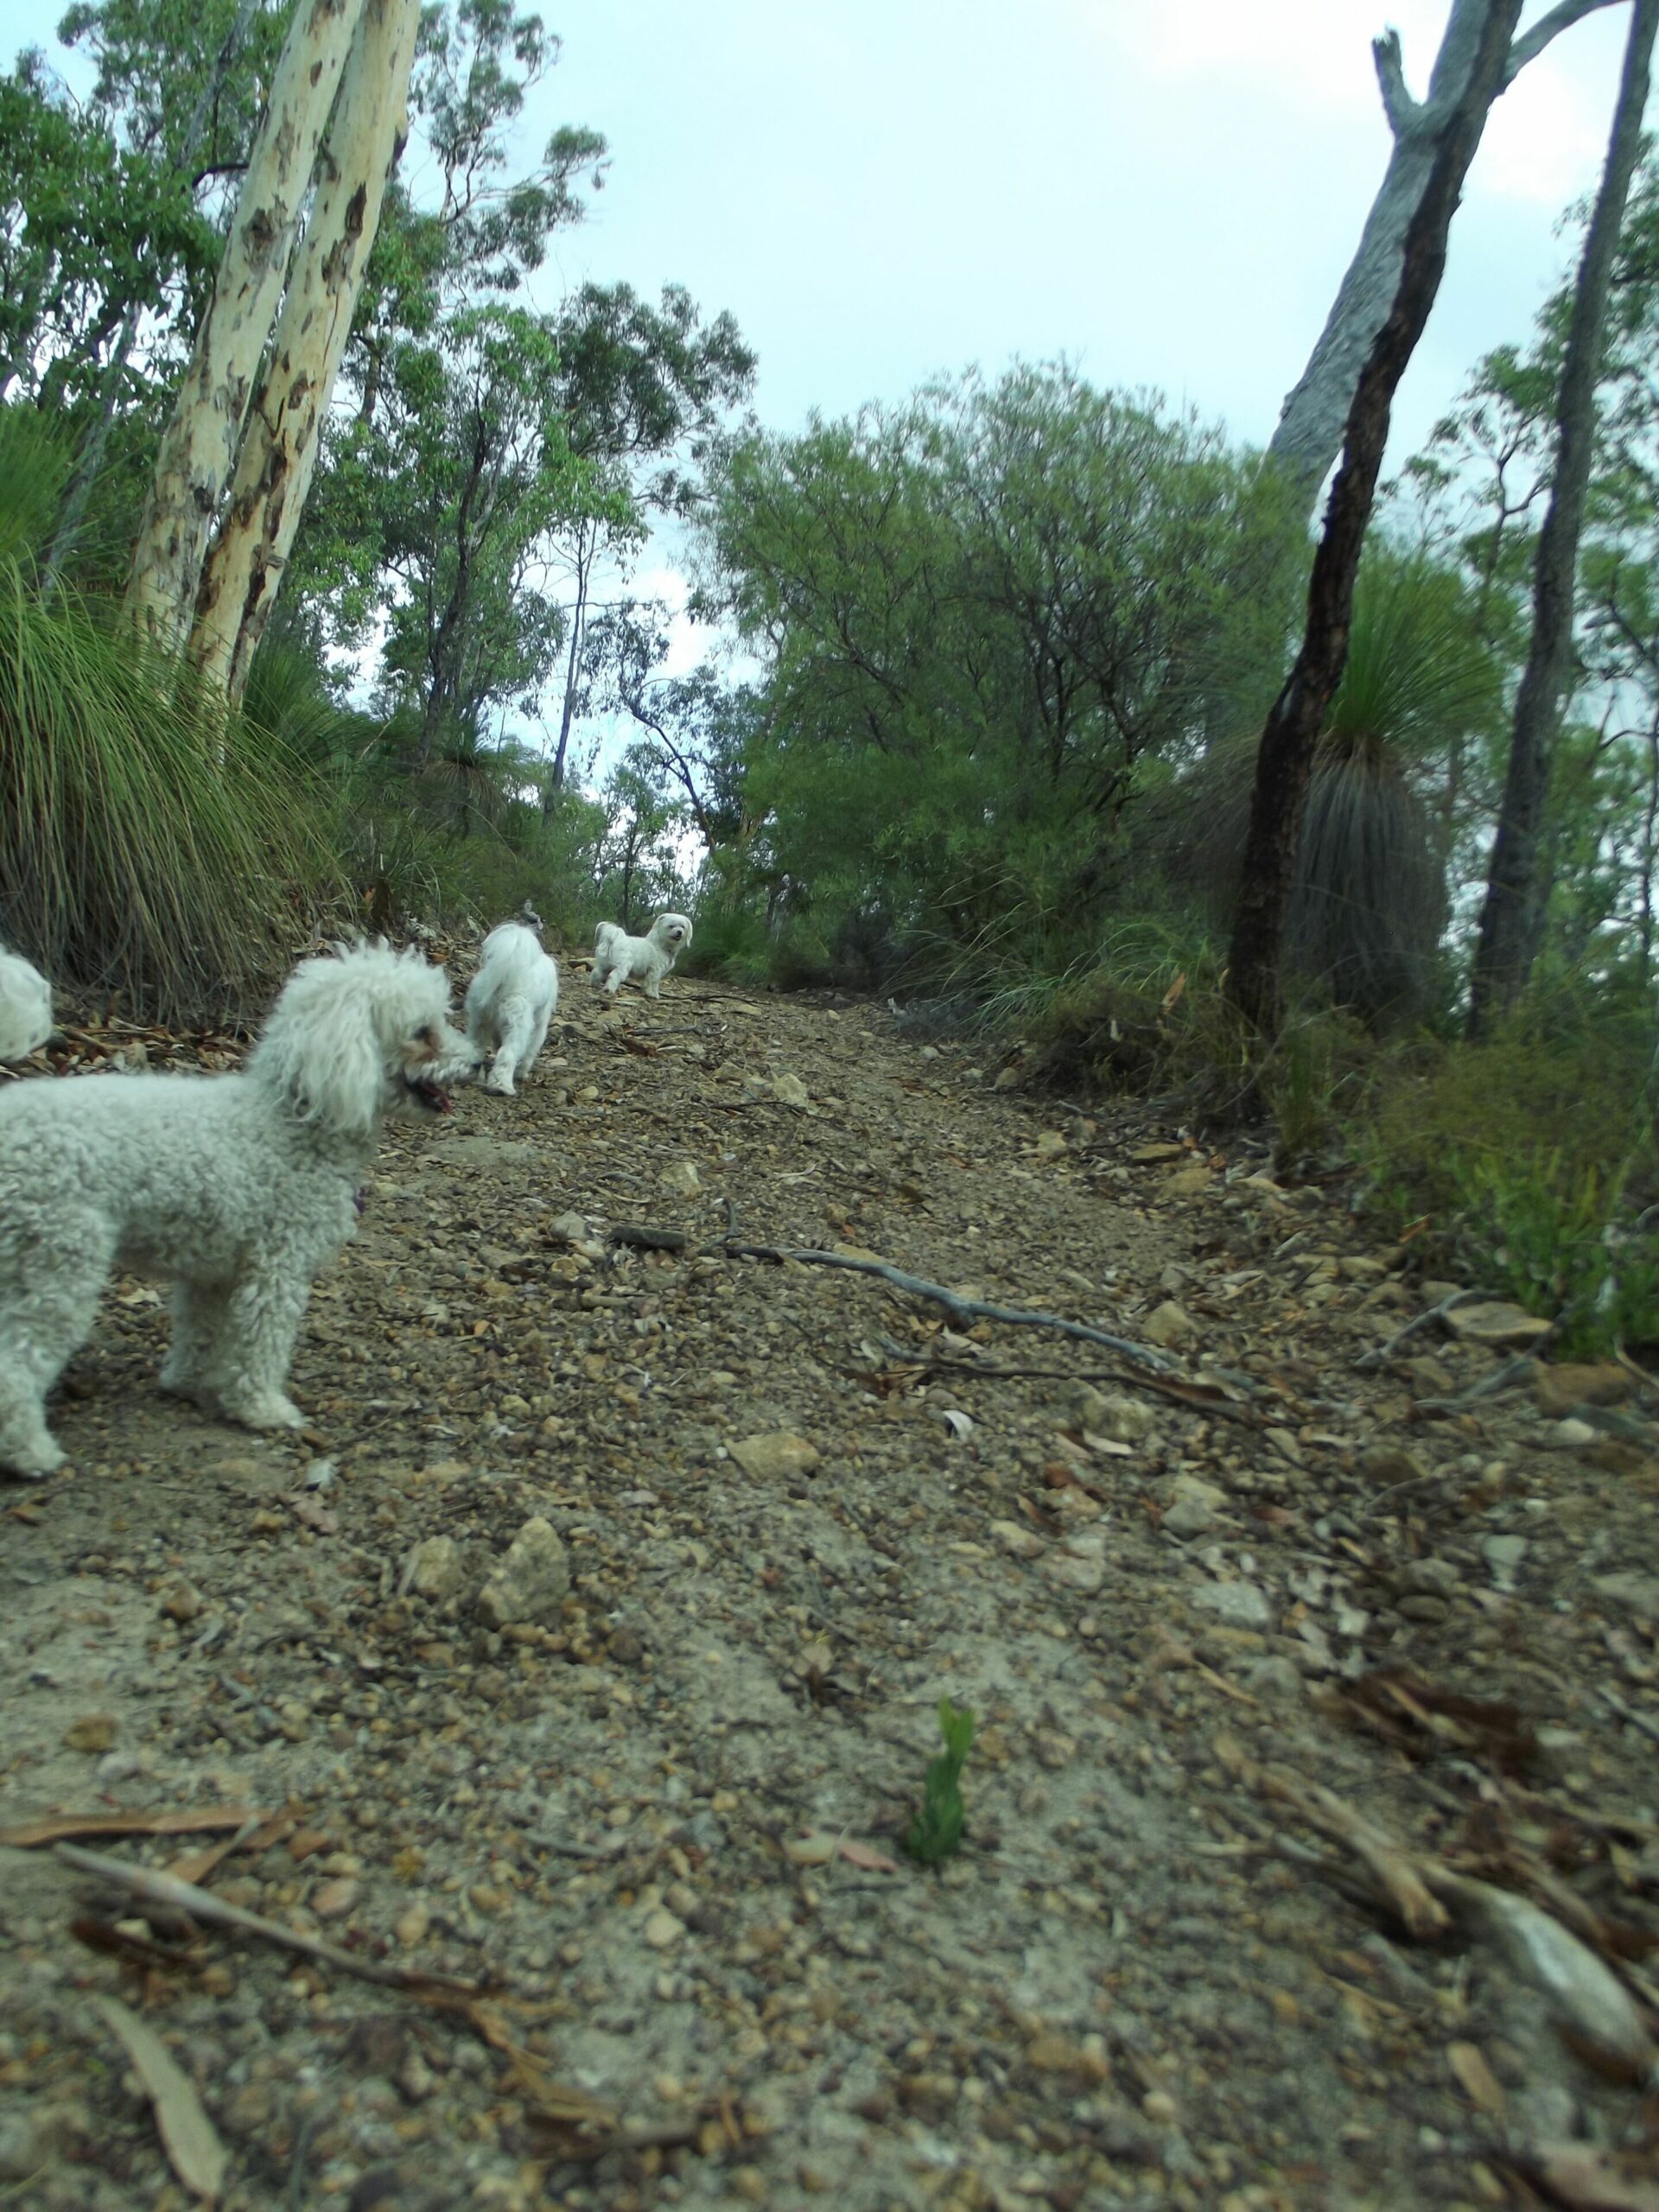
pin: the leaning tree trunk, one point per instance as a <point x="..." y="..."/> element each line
<point x="1284" y="763"/>
<point x="279" y="454"/>
<point x="1312" y="421"/>
<point x="1517" y="885"/>
<point x="199" y="448"/>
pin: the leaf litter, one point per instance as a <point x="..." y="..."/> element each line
<point x="626" y="1866"/>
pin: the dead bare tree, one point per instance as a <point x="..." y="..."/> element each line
<point x="1312" y="421"/>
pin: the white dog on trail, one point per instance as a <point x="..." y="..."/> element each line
<point x="511" y="999"/>
<point x="619" y="958"/>
<point x="25" y="1006"/>
<point x="238" y="1187"/>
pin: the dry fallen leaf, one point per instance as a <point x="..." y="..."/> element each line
<point x="867" y="1856"/>
<point x="1591" y="2180"/>
<point x="1480" y="2085"/>
<point x="72" y="1824"/>
<point x="187" y="2135"/>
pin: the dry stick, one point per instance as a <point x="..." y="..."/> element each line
<point x="214" y="1912"/>
<point x="1184" y="1394"/>
<point x="1385" y="1352"/>
<point x="1501" y="1378"/>
<point x="962" y="1309"/>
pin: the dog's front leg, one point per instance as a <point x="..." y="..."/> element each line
<point x="262" y="1320"/>
<point x="198" y="1319"/>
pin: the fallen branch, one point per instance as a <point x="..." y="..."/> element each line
<point x="960" y="1308"/>
<point x="1499" y="1379"/>
<point x="1384" y="1353"/>
<point x="214" y="1912"/>
<point x="1190" y="1395"/>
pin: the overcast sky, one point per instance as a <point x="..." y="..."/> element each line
<point x="1165" y="191"/>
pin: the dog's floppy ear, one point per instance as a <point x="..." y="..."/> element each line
<point x="319" y="1050"/>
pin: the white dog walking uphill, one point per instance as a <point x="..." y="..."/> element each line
<point x="511" y="999"/>
<point x="619" y="958"/>
<point x="240" y="1187"/>
<point x="25" y="1006"/>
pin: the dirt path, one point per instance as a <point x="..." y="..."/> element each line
<point x="624" y="1809"/>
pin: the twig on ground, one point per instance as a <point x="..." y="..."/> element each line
<point x="1190" y="1395"/>
<point x="1381" y="1354"/>
<point x="214" y="1912"/>
<point x="1500" y="1379"/>
<point x="1642" y="1721"/>
<point x="962" y="1309"/>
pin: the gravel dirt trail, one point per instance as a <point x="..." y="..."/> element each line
<point x="589" y="1650"/>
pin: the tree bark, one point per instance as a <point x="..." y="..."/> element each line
<point x="1518" y="886"/>
<point x="1312" y="421"/>
<point x="587" y="549"/>
<point x="1284" y="763"/>
<point x="279" y="453"/>
<point x="91" y="452"/>
<point x="199" y="448"/>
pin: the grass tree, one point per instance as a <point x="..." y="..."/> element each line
<point x="1291" y="736"/>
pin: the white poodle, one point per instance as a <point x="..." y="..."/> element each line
<point x="619" y="958"/>
<point x="238" y="1187"/>
<point x="511" y="999"/>
<point x="25" y="1007"/>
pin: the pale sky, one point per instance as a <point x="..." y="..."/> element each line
<point x="1165" y="191"/>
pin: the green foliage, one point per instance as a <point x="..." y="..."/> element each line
<point x="149" y="844"/>
<point x="936" y="1831"/>
<point x="1524" y="1163"/>
<point x="989" y="619"/>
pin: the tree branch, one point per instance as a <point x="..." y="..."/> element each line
<point x="1402" y="110"/>
<point x="1560" y="18"/>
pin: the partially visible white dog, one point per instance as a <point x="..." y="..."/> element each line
<point x="511" y="999"/>
<point x="239" y="1188"/>
<point x="25" y="1006"/>
<point x="619" y="958"/>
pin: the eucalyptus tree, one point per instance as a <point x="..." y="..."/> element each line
<point x="1512" y="916"/>
<point x="1312" y="421"/>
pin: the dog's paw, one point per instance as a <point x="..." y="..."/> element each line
<point x="501" y="1085"/>
<point x="176" y="1383"/>
<point x="270" y="1410"/>
<point x="33" y="1461"/>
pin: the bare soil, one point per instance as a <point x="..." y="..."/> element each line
<point x="660" y="1821"/>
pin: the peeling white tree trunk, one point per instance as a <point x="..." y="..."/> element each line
<point x="1312" y="420"/>
<point x="279" y="453"/>
<point x="199" y="448"/>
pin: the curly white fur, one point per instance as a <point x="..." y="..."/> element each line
<point x="25" y="1007"/>
<point x="238" y="1187"/>
<point x="511" y="1001"/>
<point x="619" y="958"/>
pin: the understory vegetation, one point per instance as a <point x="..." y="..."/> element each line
<point x="976" y="718"/>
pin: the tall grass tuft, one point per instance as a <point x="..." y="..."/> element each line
<point x="151" y="845"/>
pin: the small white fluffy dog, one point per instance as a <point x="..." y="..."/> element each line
<point x="239" y="1188"/>
<point x="511" y="999"/>
<point x="25" y="1006"/>
<point x="619" y="958"/>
